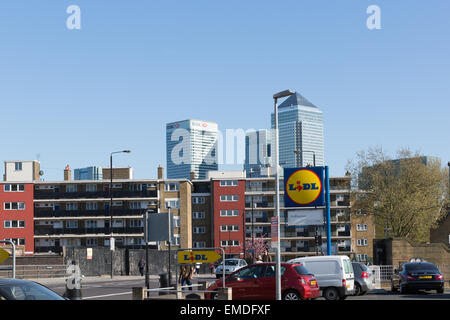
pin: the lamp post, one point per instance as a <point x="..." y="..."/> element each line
<point x="111" y="239"/>
<point x="277" y="96"/>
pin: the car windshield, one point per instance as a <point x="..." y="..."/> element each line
<point x="364" y="267"/>
<point x="27" y="291"/>
<point x="231" y="262"/>
<point x="301" y="270"/>
<point x="421" y="267"/>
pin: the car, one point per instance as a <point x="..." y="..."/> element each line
<point x="257" y="282"/>
<point x="416" y="276"/>
<point x="17" y="289"/>
<point x="363" y="278"/>
<point x="231" y="265"/>
<point x="334" y="274"/>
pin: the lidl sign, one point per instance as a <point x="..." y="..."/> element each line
<point x="303" y="187"/>
<point x="186" y="256"/>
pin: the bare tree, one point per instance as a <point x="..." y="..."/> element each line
<point x="407" y="196"/>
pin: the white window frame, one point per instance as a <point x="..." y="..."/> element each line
<point x="229" y="198"/>
<point x="198" y="215"/>
<point x="229" y="183"/>
<point x="229" y="213"/>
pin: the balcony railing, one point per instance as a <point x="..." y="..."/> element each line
<point x="116" y="194"/>
<point x="79" y="231"/>
<point x="87" y="213"/>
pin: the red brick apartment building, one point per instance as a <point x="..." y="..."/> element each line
<point x="229" y="211"/>
<point x="16" y="214"/>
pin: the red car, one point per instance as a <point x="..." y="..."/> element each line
<point x="257" y="282"/>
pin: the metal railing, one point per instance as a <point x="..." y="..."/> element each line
<point x="35" y="271"/>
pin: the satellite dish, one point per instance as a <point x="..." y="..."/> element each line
<point x="41" y="173"/>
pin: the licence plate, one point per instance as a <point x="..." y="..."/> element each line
<point x="425" y="277"/>
<point x="313" y="282"/>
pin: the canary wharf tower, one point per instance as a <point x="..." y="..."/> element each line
<point x="301" y="141"/>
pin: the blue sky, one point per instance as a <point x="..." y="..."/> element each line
<point x="74" y="96"/>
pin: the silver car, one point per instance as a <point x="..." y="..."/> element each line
<point x="364" y="278"/>
<point x="231" y="265"/>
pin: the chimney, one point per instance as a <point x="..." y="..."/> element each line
<point x="192" y="176"/>
<point x="67" y="173"/>
<point x="160" y="172"/>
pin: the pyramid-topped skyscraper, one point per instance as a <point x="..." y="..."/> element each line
<point x="301" y="140"/>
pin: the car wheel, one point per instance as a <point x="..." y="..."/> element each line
<point x="394" y="288"/>
<point x="357" y="289"/>
<point x="403" y="290"/>
<point x="213" y="296"/>
<point x="330" y="294"/>
<point x="291" y="295"/>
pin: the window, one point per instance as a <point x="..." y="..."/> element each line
<point x="71" y="206"/>
<point x="362" y="242"/>
<point x="14" y="205"/>
<point x="71" y="188"/>
<point x="176" y="222"/>
<point x="198" y="200"/>
<point x="91" y="188"/>
<point x="172" y="203"/>
<point x="229" y="243"/>
<point x="14" y="187"/>
<point x="199" y="230"/>
<point x="361" y="227"/>
<point x="91" y="242"/>
<point x="91" y="224"/>
<point x="136" y="223"/>
<point x="229" y="183"/>
<point x="200" y="244"/>
<point x="14" y="224"/>
<point x="72" y="224"/>
<point x="225" y="198"/>
<point x="229" y="213"/>
<point x="18" y="166"/>
<point x="198" y="215"/>
<point x="134" y="205"/>
<point x="172" y="186"/>
<point x="91" y="205"/>
<point x="234" y="227"/>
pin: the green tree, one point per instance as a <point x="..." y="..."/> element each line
<point x="407" y="196"/>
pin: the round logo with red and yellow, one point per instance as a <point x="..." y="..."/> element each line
<point x="303" y="187"/>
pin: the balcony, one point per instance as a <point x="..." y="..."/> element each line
<point x="116" y="194"/>
<point x="87" y="213"/>
<point x="41" y="231"/>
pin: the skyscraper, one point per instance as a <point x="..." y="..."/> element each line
<point x="258" y="151"/>
<point x="300" y="126"/>
<point x="191" y="146"/>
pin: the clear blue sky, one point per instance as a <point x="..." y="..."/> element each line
<point x="74" y="96"/>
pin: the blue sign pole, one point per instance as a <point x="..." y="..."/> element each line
<point x="327" y="202"/>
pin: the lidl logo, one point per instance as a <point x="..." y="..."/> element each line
<point x="303" y="187"/>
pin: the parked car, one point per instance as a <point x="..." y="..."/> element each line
<point x="416" y="276"/>
<point x="231" y="265"/>
<point x="334" y="274"/>
<point x="257" y="282"/>
<point x="15" y="289"/>
<point x="363" y="278"/>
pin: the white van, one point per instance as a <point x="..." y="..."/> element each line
<point x="334" y="274"/>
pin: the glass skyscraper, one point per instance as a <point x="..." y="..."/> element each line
<point x="300" y="135"/>
<point x="258" y="151"/>
<point x="191" y="146"/>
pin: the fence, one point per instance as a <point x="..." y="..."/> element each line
<point x="35" y="271"/>
<point x="184" y="292"/>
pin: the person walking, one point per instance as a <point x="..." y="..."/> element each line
<point x="266" y="257"/>
<point x="186" y="275"/>
<point x="141" y="266"/>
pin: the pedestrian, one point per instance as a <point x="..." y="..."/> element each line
<point x="141" y="266"/>
<point x="259" y="259"/>
<point x="266" y="257"/>
<point x="186" y="275"/>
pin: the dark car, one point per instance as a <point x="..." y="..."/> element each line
<point x="416" y="276"/>
<point x="257" y="282"/>
<point x="363" y="278"/>
<point x="15" y="289"/>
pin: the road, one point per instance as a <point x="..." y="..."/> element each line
<point x="120" y="289"/>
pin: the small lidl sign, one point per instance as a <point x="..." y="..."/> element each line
<point x="303" y="187"/>
<point x="186" y="256"/>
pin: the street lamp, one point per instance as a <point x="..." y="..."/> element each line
<point x="276" y="96"/>
<point x="111" y="239"/>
